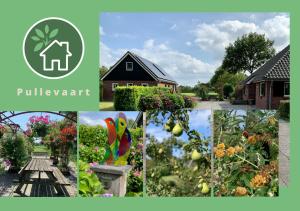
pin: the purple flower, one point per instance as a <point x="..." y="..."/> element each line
<point x="107" y="195"/>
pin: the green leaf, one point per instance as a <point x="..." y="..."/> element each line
<point x="39" y="33"/>
<point x="53" y="33"/>
<point x="38" y="46"/>
<point x="46" y="29"/>
<point x="35" y="38"/>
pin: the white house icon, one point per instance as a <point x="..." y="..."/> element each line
<point x="56" y="52"/>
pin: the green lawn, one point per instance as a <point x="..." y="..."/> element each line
<point x="106" y="106"/>
<point x="40" y="148"/>
<point x="189" y="94"/>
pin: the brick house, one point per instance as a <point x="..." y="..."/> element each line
<point x="133" y="70"/>
<point x="270" y="83"/>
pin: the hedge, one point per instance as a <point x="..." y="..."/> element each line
<point x="284" y="109"/>
<point x="127" y="98"/>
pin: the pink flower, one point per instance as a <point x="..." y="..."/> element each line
<point x="137" y="174"/>
<point x="93" y="164"/>
<point x="140" y="146"/>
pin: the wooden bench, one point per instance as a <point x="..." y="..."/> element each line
<point x="60" y="182"/>
<point x="60" y="178"/>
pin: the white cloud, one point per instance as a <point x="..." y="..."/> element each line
<point x="188" y="43"/>
<point x="184" y="68"/>
<point x="124" y="35"/>
<point x="102" y="33"/>
<point x="214" y="37"/>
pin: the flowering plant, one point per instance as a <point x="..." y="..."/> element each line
<point x="2" y="130"/>
<point x="39" y="125"/>
<point x="246" y="153"/>
<point x="68" y="133"/>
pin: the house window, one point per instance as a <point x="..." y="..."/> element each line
<point x="129" y="84"/>
<point x="129" y="66"/>
<point x="262" y="89"/>
<point x="114" y="85"/>
<point x="144" y="84"/>
<point x="286" y="89"/>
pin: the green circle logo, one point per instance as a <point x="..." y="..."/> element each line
<point x="53" y="48"/>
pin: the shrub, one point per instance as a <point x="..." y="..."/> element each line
<point x="188" y="102"/>
<point x="284" y="110"/>
<point x="149" y="102"/>
<point x="127" y="98"/>
<point x="202" y="91"/>
<point x="92" y="135"/>
<point x="227" y="90"/>
<point x="13" y="148"/>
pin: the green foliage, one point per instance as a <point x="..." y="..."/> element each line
<point x="127" y="98"/>
<point x="16" y="149"/>
<point x="171" y="175"/>
<point x="186" y="89"/>
<point x="228" y="90"/>
<point x="246" y="153"/>
<point x="93" y="142"/>
<point x="102" y="71"/>
<point x="149" y="102"/>
<point x="89" y="184"/>
<point x="284" y="110"/>
<point x="223" y="77"/>
<point x="201" y="90"/>
<point x="248" y="53"/>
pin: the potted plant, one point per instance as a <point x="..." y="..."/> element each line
<point x="39" y="125"/>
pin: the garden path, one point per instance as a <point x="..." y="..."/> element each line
<point x="284" y="152"/>
<point x="218" y="105"/>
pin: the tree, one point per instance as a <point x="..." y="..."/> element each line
<point x="102" y="71"/>
<point x="201" y="90"/>
<point x="228" y="90"/>
<point x="248" y="53"/>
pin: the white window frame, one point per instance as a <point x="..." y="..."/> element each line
<point x="144" y="84"/>
<point x="285" y="95"/>
<point x="113" y="87"/>
<point x="129" y="84"/>
<point x="260" y="89"/>
<point x="129" y="69"/>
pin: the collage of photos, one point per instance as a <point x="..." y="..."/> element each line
<point x="191" y="105"/>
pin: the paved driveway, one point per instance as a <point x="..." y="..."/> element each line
<point x="284" y="152"/>
<point x="217" y="105"/>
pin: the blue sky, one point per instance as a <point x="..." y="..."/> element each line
<point x="97" y="118"/>
<point x="23" y="119"/>
<point x="199" y="121"/>
<point x="189" y="46"/>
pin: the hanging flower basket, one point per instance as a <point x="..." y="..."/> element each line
<point x="39" y="125"/>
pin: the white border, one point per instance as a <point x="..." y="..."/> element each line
<point x="55" y="18"/>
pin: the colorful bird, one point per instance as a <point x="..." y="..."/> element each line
<point x="111" y="152"/>
<point x="119" y="140"/>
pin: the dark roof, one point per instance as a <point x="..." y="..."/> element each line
<point x="158" y="71"/>
<point x="276" y="68"/>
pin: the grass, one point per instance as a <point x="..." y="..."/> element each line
<point x="106" y="106"/>
<point x="40" y="148"/>
<point x="189" y="94"/>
